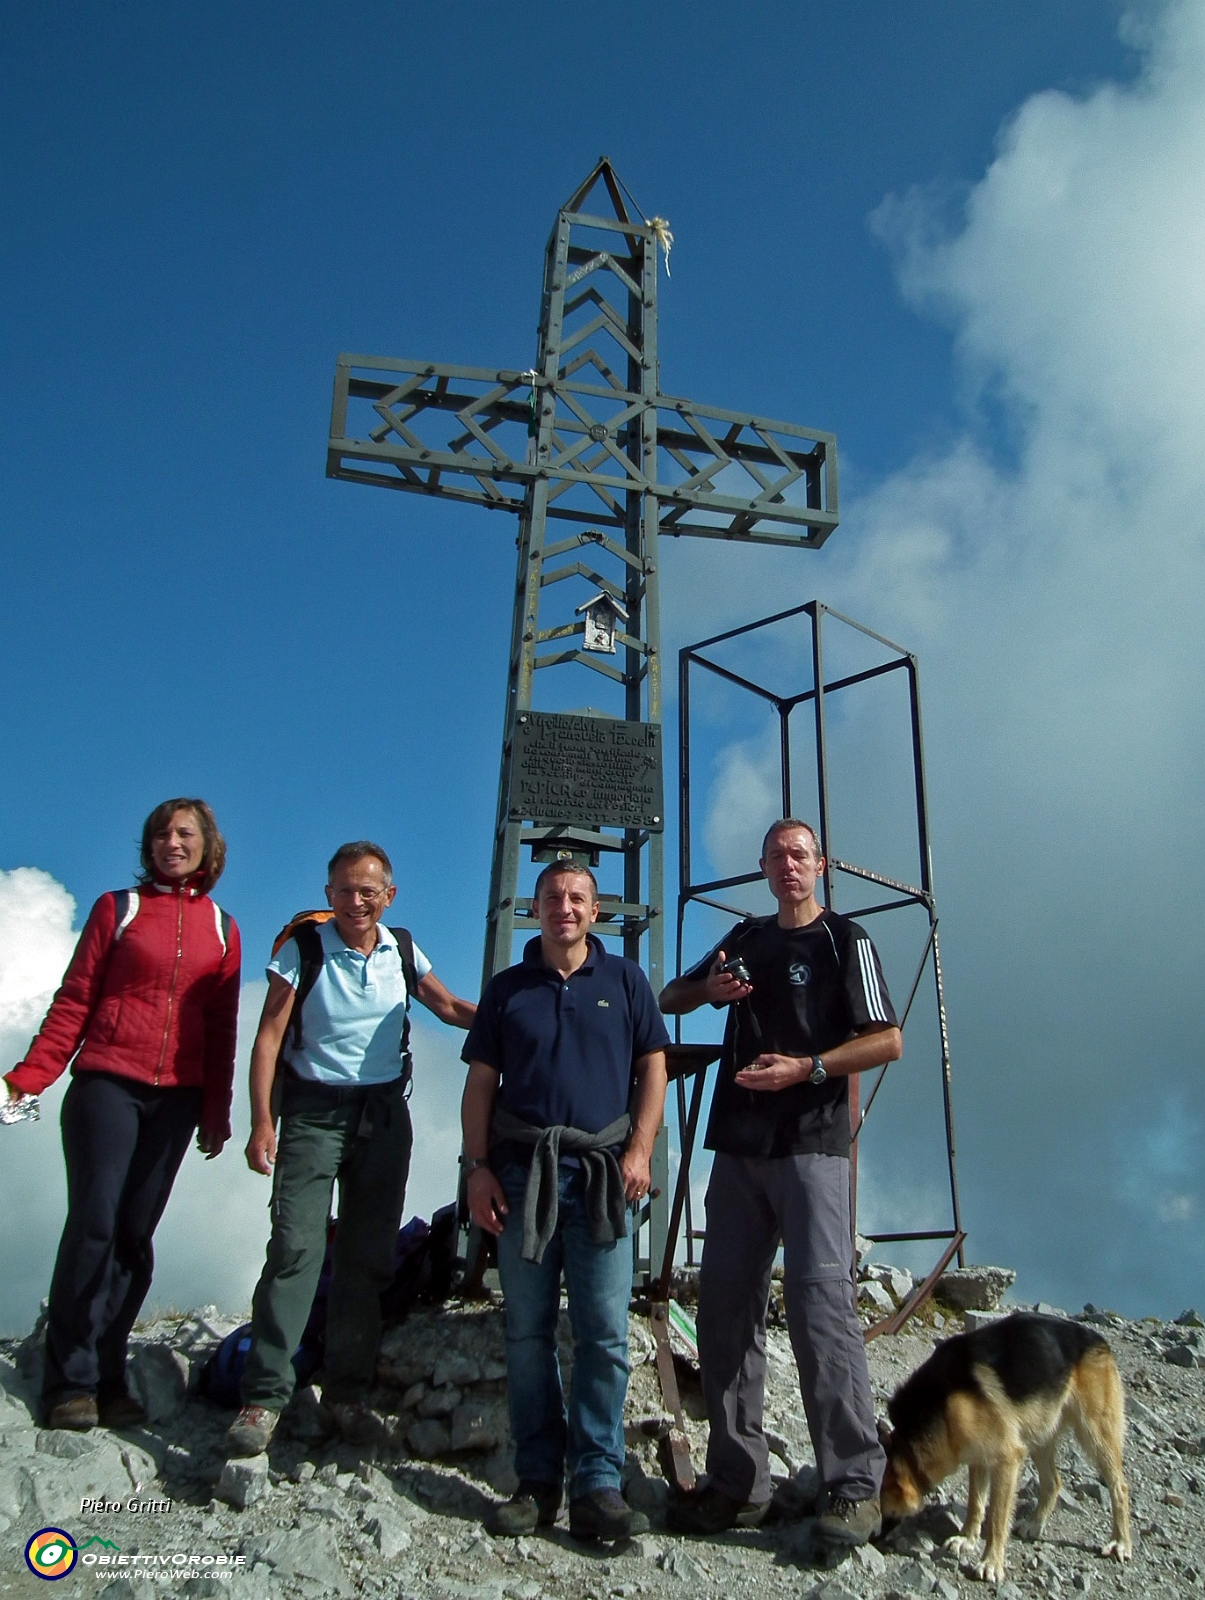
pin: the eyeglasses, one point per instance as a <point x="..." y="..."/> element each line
<point x="369" y="896"/>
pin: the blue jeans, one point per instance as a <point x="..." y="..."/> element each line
<point x="589" y="1439"/>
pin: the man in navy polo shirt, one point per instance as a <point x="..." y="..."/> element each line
<point x="561" y="1107"/>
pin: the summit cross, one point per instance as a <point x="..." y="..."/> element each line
<point x="585" y="438"/>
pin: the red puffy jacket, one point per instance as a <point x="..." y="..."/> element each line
<point x="152" y="994"/>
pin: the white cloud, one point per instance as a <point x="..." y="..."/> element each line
<point x="744" y="798"/>
<point x="209" y="1247"/>
<point x="1048" y="566"/>
<point x="36" y="942"/>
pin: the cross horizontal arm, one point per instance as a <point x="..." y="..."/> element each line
<point x="427" y="428"/>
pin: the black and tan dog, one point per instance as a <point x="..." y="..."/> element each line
<point x="987" y="1399"/>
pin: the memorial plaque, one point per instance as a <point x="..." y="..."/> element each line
<point x="589" y="771"/>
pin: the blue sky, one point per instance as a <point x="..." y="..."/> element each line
<point x="962" y="238"/>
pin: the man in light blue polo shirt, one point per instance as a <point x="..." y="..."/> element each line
<point x="343" y="1119"/>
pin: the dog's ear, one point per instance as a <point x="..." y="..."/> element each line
<point x="885" y="1433"/>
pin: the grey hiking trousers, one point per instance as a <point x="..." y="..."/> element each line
<point x="753" y="1205"/>
<point x="359" y="1138"/>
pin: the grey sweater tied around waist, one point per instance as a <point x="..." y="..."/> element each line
<point x="606" y="1203"/>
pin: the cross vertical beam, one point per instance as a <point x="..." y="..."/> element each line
<point x="566" y="265"/>
<point x="586" y="437"/>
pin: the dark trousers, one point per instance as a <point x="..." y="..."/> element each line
<point x="123" y="1142"/>
<point x="801" y="1202"/>
<point x="361" y="1139"/>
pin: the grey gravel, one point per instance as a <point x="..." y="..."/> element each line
<point x="403" y="1520"/>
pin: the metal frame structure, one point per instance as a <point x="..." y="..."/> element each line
<point x="585" y="437"/>
<point x="903" y="895"/>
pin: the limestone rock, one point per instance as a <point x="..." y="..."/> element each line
<point x="647" y="1494"/>
<point x="31" y="1350"/>
<point x="644" y="1548"/>
<point x="788" y="1437"/>
<point x="308" y="1419"/>
<point x="243" y="1482"/>
<point x="982" y="1319"/>
<point x="456" y="1369"/>
<point x="683" y="1565"/>
<point x="832" y="1589"/>
<point x="870" y="1560"/>
<point x="896" y="1280"/>
<point x="914" y="1578"/>
<point x="974" y="1288"/>
<point x="66" y="1446"/>
<point x="429" y="1438"/>
<point x="158" y="1376"/>
<point x="400" y="1362"/>
<point x="53" y="1485"/>
<point x="523" y="1589"/>
<point x="874" y="1295"/>
<point x="389" y="1532"/>
<point x="309" y="1552"/>
<point x="478" y="1427"/>
<point x="439" y="1402"/>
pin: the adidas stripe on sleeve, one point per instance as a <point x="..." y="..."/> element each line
<point x="865" y="985"/>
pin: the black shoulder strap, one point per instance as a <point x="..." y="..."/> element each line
<point x="405" y="949"/>
<point x="309" y="944"/>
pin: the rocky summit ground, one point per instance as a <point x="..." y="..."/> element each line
<point x="151" y="1512"/>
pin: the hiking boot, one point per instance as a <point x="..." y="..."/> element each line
<point x="251" y="1431"/>
<point x="533" y="1505"/>
<point x="78" y="1414"/>
<point x="358" y="1422"/>
<point x="604" y="1514"/>
<point x="121" y="1411"/>
<point x="849" y="1522"/>
<point x="710" y="1510"/>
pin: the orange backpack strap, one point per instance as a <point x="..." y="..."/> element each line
<point x="304" y="927"/>
<point x="291" y="926"/>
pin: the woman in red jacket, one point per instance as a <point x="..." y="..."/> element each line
<point x="150" y="1003"/>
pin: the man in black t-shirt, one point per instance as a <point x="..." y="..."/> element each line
<point x="814" y="1010"/>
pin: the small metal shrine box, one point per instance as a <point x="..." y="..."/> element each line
<point x="603" y="612"/>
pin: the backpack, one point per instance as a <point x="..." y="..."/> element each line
<point x="304" y="927"/>
<point x="424" y="1259"/>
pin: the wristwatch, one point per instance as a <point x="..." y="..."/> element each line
<point x="818" y="1074"/>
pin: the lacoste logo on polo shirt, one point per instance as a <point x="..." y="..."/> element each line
<point x="604" y="1003"/>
